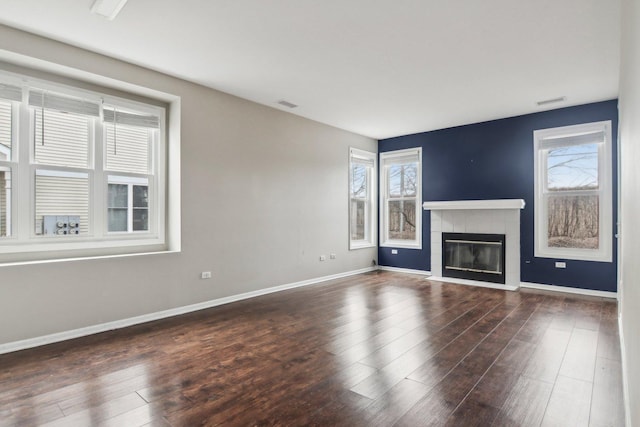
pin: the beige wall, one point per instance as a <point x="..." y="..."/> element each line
<point x="264" y="193"/>
<point x="630" y="205"/>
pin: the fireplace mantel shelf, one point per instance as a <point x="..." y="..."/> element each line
<point x="474" y="204"/>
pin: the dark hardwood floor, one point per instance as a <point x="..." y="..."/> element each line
<point x="377" y="349"/>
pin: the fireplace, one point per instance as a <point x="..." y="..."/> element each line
<point x="474" y="256"/>
<point x="484" y="217"/>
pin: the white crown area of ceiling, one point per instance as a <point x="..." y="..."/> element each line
<point x="379" y="68"/>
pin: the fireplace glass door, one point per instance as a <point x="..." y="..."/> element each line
<point x="474" y="256"/>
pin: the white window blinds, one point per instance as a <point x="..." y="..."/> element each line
<point x="571" y="140"/>
<point x="408" y="156"/>
<point x="5" y="129"/>
<point x="129" y="137"/>
<point x="12" y="93"/>
<point x="8" y="93"/>
<point x="61" y="139"/>
<point x="48" y="100"/>
<point x="112" y="115"/>
<point x="361" y="159"/>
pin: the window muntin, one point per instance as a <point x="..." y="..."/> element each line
<point x="362" y="190"/>
<point x="61" y="166"/>
<point x="573" y="192"/>
<point x="401" y="198"/>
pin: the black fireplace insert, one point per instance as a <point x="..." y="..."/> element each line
<point x="474" y="256"/>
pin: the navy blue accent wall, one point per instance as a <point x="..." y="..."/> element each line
<point x="494" y="160"/>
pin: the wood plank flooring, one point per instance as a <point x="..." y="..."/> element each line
<point x="377" y="349"/>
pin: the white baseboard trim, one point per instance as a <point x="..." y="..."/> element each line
<point x="404" y="270"/>
<point x="554" y="288"/>
<point x="466" y="282"/>
<point x="625" y="378"/>
<point x="123" y="323"/>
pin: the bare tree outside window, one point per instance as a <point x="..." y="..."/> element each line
<point x="400" y="198"/>
<point x="573" y="204"/>
<point x="402" y="188"/>
<point x="573" y="189"/>
<point x="362" y="190"/>
<point x="358" y="201"/>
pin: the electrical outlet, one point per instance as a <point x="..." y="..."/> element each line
<point x="332" y="256"/>
<point x="205" y="275"/>
<point x="394" y="252"/>
<point x="323" y="258"/>
<point x="561" y="264"/>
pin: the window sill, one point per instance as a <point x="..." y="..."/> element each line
<point x="47" y="250"/>
<point x="401" y="245"/>
<point x="574" y="255"/>
<point x="355" y="246"/>
<point x="85" y="258"/>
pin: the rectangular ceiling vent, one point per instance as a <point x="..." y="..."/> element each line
<point x="287" y="103"/>
<point x="551" y="101"/>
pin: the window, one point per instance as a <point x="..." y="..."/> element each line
<point x="573" y="209"/>
<point x="89" y="168"/>
<point x="362" y="190"/>
<point x="130" y="142"/>
<point x="400" y="200"/>
<point x="9" y="94"/>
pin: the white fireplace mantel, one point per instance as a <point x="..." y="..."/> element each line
<point x="474" y="204"/>
<point x="477" y="216"/>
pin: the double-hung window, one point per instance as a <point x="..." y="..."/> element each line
<point x="401" y="198"/>
<point x="362" y="191"/>
<point x="79" y="171"/>
<point x="9" y="99"/>
<point x="130" y="141"/>
<point x="573" y="205"/>
<point x="61" y="137"/>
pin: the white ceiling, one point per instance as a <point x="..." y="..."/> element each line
<point x="380" y="68"/>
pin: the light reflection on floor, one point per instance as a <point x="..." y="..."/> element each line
<point x="383" y="325"/>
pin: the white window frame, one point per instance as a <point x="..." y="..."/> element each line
<point x="23" y="240"/>
<point x="387" y="159"/>
<point x="7" y="163"/>
<point x="371" y="217"/>
<point x="546" y="139"/>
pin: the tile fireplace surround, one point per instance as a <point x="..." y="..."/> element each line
<point x="477" y="216"/>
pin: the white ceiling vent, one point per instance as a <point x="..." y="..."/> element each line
<point x="287" y="103"/>
<point x="551" y="101"/>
